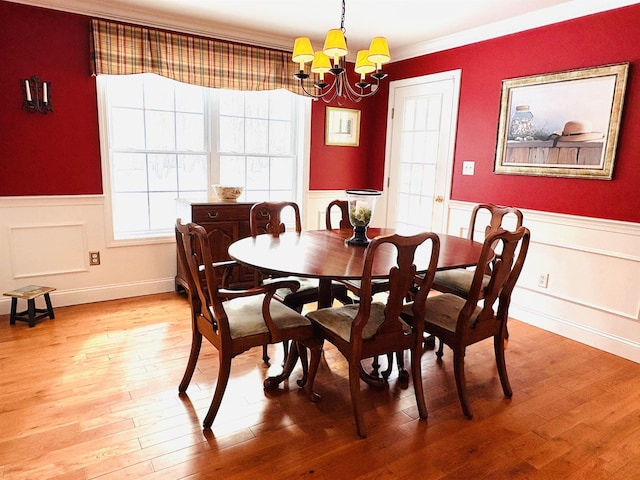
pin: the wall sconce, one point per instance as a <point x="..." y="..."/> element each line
<point x="37" y="95"/>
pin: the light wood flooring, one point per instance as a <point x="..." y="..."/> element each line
<point x="93" y="394"/>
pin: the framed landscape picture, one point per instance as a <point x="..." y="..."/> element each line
<point x="342" y="127"/>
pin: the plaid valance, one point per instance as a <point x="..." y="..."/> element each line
<point x="121" y="49"/>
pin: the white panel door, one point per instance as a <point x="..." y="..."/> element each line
<point x="420" y="151"/>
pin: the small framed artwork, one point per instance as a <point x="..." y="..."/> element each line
<point x="561" y="124"/>
<point x="342" y="127"/>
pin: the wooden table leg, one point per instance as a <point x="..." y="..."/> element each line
<point x="324" y="293"/>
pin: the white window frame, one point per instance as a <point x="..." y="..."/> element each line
<point x="302" y="170"/>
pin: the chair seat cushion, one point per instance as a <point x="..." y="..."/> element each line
<point x="308" y="286"/>
<point x="457" y="281"/>
<point x="442" y="310"/>
<point x="339" y="320"/>
<point x="245" y="316"/>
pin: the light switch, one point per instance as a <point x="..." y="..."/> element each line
<point x="468" y="167"/>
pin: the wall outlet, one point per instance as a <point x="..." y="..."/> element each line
<point x="543" y="280"/>
<point x="468" y="167"/>
<point x="94" y="258"/>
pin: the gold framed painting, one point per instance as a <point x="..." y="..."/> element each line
<point x="561" y="124"/>
<point x="342" y="127"/>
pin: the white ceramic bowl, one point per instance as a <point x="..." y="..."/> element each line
<point x="226" y="192"/>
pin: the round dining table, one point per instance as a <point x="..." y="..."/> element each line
<point x="323" y="254"/>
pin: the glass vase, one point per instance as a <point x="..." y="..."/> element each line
<point x="361" y="206"/>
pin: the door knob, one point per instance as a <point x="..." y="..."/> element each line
<point x="439" y="199"/>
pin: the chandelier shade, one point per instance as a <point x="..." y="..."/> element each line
<point x="302" y="51"/>
<point x="379" y="52"/>
<point x="368" y="62"/>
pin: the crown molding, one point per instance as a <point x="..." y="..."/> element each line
<point x="128" y="14"/>
<point x="125" y="12"/>
<point x="540" y="18"/>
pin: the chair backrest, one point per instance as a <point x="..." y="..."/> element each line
<point x="496" y="220"/>
<point x="194" y="251"/>
<point x="266" y="217"/>
<point x="343" y="205"/>
<point x="504" y="272"/>
<point x="402" y="278"/>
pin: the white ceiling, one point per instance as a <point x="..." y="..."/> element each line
<point x="412" y="27"/>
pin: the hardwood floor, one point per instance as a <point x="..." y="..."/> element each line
<point x="93" y="394"/>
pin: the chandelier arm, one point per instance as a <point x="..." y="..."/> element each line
<point x="351" y="90"/>
<point x="322" y="95"/>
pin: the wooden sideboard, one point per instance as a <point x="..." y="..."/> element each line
<point x="225" y="223"/>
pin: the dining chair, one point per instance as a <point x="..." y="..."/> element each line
<point x="236" y="320"/>
<point x="460" y="322"/>
<point x="373" y="328"/>
<point x="267" y="218"/>
<point x="378" y="285"/>
<point x="458" y="280"/>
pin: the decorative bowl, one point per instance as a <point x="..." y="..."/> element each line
<point x="225" y="192"/>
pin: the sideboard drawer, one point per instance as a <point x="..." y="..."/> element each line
<point x="220" y="212"/>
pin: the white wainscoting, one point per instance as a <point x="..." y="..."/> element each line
<point x="593" y="291"/>
<point x="52" y="249"/>
<point x="46" y="241"/>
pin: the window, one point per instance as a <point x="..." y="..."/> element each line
<point x="166" y="140"/>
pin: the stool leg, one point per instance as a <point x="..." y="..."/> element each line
<point x="14" y="305"/>
<point x="49" y="306"/>
<point x="32" y="312"/>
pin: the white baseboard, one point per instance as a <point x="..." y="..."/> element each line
<point x="63" y="298"/>
<point x="600" y="339"/>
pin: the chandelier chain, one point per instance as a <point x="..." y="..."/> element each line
<point x="344" y="30"/>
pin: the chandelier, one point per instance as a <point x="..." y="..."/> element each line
<point x="335" y="50"/>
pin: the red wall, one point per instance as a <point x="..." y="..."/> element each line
<point x="605" y="38"/>
<point x="341" y="167"/>
<point x="57" y="153"/>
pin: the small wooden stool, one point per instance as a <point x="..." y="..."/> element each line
<point x="30" y="293"/>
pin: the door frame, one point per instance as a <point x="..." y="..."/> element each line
<point x="382" y="207"/>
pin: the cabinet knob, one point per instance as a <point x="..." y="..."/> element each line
<point x="213" y="214"/>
